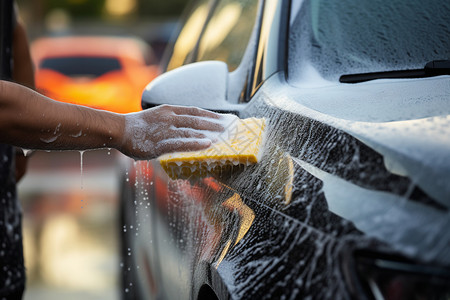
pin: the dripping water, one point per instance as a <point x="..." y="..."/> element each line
<point x="81" y="168"/>
<point x="26" y="152"/>
<point x="81" y="173"/>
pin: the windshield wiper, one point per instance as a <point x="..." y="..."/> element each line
<point x="433" y="68"/>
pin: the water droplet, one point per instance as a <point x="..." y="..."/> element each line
<point x="26" y="152"/>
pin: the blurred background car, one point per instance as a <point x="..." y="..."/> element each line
<point x="351" y="197"/>
<point x="103" y="72"/>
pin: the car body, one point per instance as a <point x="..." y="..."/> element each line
<point x="351" y="197"/>
<point x="103" y="72"/>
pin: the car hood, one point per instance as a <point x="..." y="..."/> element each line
<point x="406" y="121"/>
<point x="380" y="101"/>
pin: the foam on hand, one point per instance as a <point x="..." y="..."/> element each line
<point x="239" y="145"/>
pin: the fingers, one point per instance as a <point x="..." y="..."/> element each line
<point x="173" y="133"/>
<point x="176" y="145"/>
<point x="197" y="123"/>
<point x="171" y="129"/>
<point x="194" y="111"/>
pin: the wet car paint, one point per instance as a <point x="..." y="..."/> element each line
<point x="295" y="238"/>
<point x="336" y="186"/>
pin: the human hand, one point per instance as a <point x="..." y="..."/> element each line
<point x="164" y="129"/>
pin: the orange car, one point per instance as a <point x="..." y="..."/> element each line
<point x="108" y="73"/>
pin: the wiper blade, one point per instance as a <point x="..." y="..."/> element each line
<point x="433" y="68"/>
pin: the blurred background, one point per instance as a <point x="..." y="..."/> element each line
<point x="70" y="199"/>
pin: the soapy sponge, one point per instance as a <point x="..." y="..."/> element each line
<point x="239" y="145"/>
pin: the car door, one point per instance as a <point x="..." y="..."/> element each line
<point x="213" y="231"/>
<point x="192" y="226"/>
<point x="144" y="190"/>
<point x="234" y="240"/>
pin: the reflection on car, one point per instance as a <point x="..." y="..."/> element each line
<point x="351" y="197"/>
<point x="98" y="71"/>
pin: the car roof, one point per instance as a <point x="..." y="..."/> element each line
<point x="109" y="46"/>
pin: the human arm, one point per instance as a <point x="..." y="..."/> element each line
<point x="22" y="73"/>
<point x="33" y="121"/>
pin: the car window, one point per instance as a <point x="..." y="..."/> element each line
<point x="228" y="32"/>
<point x="75" y="66"/>
<point x="270" y="52"/>
<point x="190" y="33"/>
<point x="337" y="37"/>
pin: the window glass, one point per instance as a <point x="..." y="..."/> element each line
<point x="76" y="66"/>
<point x="336" y="37"/>
<point x="270" y="50"/>
<point x="189" y="35"/>
<point x="228" y="32"/>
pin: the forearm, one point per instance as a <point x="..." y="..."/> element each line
<point x="23" y="72"/>
<point x="32" y="121"/>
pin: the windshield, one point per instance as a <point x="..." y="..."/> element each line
<point x="77" y="66"/>
<point x="335" y="37"/>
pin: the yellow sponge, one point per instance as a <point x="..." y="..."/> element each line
<point x="239" y="145"/>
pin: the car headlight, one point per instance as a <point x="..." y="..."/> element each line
<point x="391" y="279"/>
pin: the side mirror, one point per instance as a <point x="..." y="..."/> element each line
<point x="202" y="84"/>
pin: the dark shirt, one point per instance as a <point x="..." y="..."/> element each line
<point x="12" y="270"/>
